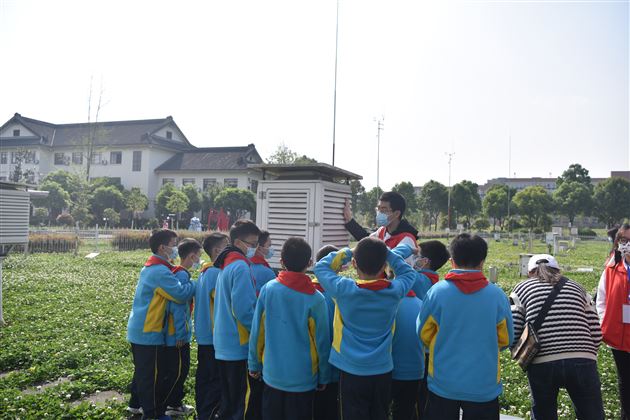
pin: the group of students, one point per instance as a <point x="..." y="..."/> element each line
<point x="292" y="346"/>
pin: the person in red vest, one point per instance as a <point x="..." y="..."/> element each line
<point x="613" y="307"/>
<point x="392" y="228"/>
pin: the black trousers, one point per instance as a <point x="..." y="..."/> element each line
<point x="405" y="396"/>
<point x="148" y="380"/>
<point x="326" y="403"/>
<point x="439" y="408"/>
<point x="207" y="383"/>
<point x="282" y="405"/>
<point x="364" y="397"/>
<point x="177" y="367"/>
<point x="622" y="361"/>
<point x="241" y="395"/>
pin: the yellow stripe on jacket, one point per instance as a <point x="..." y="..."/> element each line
<point x="428" y="335"/>
<point x="154" y="321"/>
<point x="337" y="328"/>
<point x="260" y="341"/>
<point x="311" y="336"/>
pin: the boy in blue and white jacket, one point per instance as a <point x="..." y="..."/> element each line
<point x="156" y="286"/>
<point x="207" y="383"/>
<point x="465" y="322"/>
<point x="178" y="332"/>
<point x="290" y="340"/>
<point x="363" y="324"/>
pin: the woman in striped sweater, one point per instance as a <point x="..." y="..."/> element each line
<point x="569" y="339"/>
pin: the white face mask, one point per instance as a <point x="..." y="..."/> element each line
<point x="624" y="248"/>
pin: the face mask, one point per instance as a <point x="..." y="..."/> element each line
<point x="381" y="219"/>
<point x="173" y="255"/>
<point x="250" y="252"/>
<point x="269" y="254"/>
<point x="624" y="249"/>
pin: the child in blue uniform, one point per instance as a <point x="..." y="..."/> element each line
<point x="235" y="300"/>
<point x="290" y="338"/>
<point x="207" y="383"/>
<point x="178" y="332"/>
<point x="260" y="265"/>
<point x="156" y="286"/>
<point x="363" y="324"/>
<point x="465" y="322"/>
<point x="408" y="377"/>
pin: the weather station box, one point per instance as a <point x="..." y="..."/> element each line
<point x="303" y="201"/>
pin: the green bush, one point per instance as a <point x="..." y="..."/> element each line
<point x="65" y="219"/>
<point x="586" y="232"/>
<point x="129" y="240"/>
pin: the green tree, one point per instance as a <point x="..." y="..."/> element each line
<point x="575" y="173"/>
<point x="236" y="201"/>
<point x="304" y="160"/>
<point x="282" y="156"/>
<point x="194" y="200"/>
<point x="81" y="214"/>
<point x="162" y="198"/>
<point x="58" y="199"/>
<point x="612" y="200"/>
<point x="177" y="203"/>
<point x="104" y="198"/>
<point x="407" y="190"/>
<point x="356" y="191"/>
<point x="112" y="216"/>
<point x="105" y="181"/>
<point x="465" y="200"/>
<point x="71" y="182"/>
<point x="18" y="174"/>
<point x="367" y="203"/>
<point x="495" y="203"/>
<point x="532" y="204"/>
<point x="433" y="201"/>
<point x="136" y="202"/>
<point x="573" y="198"/>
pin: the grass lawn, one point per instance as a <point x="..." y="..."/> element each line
<point x="67" y="319"/>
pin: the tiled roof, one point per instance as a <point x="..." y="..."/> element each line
<point x="214" y="158"/>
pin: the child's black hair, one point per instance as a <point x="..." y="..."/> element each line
<point x="295" y="254"/>
<point x="263" y="237"/>
<point x="370" y="255"/>
<point x="468" y="251"/>
<point x="160" y="237"/>
<point x="395" y="200"/>
<point x="325" y="250"/>
<point x="187" y="246"/>
<point x="242" y="228"/>
<point x="436" y="252"/>
<point x="211" y="241"/>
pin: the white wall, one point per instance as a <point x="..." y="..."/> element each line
<point x="177" y="135"/>
<point x="243" y="177"/>
<point x="8" y="130"/>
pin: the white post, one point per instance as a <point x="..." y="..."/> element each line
<point x="2" y="323"/>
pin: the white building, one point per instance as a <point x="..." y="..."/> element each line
<point x="141" y="153"/>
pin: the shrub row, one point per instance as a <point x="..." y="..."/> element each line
<point x="129" y="240"/>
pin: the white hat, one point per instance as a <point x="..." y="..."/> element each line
<point x="542" y="258"/>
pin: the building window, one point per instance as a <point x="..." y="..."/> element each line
<point x="16" y="133"/>
<point x="59" y="158"/>
<point x="231" y="182"/>
<point x="3" y="178"/>
<point x="115" y="158"/>
<point x="96" y="158"/>
<point x="187" y="181"/>
<point x="168" y="181"/>
<point x="3" y="158"/>
<point x="209" y="182"/>
<point x="77" y="158"/>
<point x="169" y="135"/>
<point x="137" y="161"/>
<point x="253" y="185"/>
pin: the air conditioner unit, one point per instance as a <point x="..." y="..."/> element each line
<point x="103" y="162"/>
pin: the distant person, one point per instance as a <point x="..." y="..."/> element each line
<point x="235" y="300"/>
<point x="290" y="338"/>
<point x="569" y="339"/>
<point x="392" y="228"/>
<point x="465" y="322"/>
<point x="178" y="332"/>
<point x="260" y="265"/>
<point x="613" y="306"/>
<point x="156" y="286"/>
<point x="364" y="320"/>
<point x="207" y="382"/>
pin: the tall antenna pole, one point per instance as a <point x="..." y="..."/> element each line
<point x="335" y="92"/>
<point x="379" y="127"/>
<point x="508" y="183"/>
<point x="450" y="159"/>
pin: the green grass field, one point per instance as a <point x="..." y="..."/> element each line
<point x="66" y="318"/>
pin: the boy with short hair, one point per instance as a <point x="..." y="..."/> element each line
<point x="363" y="324"/>
<point x="290" y="341"/>
<point x="207" y="383"/>
<point x="474" y="321"/>
<point x="408" y="377"/>
<point x="178" y="332"/>
<point x="260" y="267"/>
<point x="156" y="286"/>
<point x="235" y="300"/>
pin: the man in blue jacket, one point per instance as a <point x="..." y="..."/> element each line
<point x="156" y="287"/>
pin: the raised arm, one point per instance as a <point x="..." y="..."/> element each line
<point x="326" y="270"/>
<point x="404" y="275"/>
<point x="168" y="286"/>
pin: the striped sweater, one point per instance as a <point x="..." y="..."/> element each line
<point x="570" y="329"/>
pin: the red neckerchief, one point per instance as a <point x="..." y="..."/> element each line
<point x="394" y="239"/>
<point x="411" y="294"/>
<point x="378" y="284"/>
<point x="299" y="282"/>
<point x="233" y="257"/>
<point x="155" y="260"/>
<point x="257" y="259"/>
<point x="433" y="276"/>
<point x="176" y="270"/>
<point x="468" y="281"/>
<point x="317" y="285"/>
<point x="206" y="266"/>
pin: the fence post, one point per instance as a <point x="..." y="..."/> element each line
<point x="96" y="238"/>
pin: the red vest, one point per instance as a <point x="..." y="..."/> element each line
<point x="393" y="240"/>
<point x="616" y="333"/>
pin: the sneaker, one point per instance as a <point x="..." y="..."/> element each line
<point x="136" y="411"/>
<point x="182" y="410"/>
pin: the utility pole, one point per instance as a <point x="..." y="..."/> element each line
<point x="450" y="159"/>
<point x="335" y="91"/>
<point x="380" y="126"/>
<point x="508" y="183"/>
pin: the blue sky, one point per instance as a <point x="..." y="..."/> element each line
<point x="447" y="76"/>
